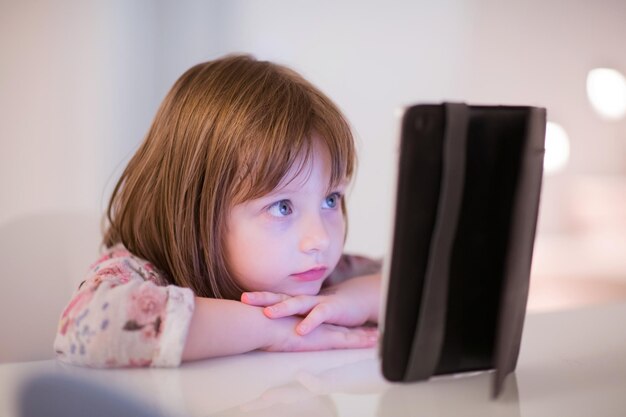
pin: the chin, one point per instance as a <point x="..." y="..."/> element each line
<point x="312" y="288"/>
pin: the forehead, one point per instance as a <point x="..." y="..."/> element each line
<point x="314" y="161"/>
<point x="288" y="164"/>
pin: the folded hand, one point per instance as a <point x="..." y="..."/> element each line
<point x="351" y="303"/>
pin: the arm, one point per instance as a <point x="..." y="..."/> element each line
<point x="225" y="327"/>
<point x="122" y="315"/>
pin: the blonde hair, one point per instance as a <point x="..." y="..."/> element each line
<point x="227" y="132"/>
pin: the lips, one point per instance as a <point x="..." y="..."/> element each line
<point x="312" y="274"/>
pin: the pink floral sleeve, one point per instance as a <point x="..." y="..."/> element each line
<point x="124" y="314"/>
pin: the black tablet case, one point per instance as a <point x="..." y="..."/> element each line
<point x="468" y="191"/>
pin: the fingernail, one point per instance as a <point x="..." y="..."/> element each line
<point x="302" y="329"/>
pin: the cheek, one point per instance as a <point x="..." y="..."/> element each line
<point x="237" y="248"/>
<point x="337" y="227"/>
<point x="253" y="256"/>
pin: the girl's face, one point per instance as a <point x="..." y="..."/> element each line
<point x="291" y="239"/>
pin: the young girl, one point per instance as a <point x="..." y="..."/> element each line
<point x="226" y="230"/>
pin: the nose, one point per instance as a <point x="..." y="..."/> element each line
<point x="314" y="236"/>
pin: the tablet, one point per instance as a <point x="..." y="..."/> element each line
<point x="467" y="198"/>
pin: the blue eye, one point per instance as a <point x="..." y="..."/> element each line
<point x="280" y="208"/>
<point x="332" y="201"/>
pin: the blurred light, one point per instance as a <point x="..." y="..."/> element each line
<point x="557" y="148"/>
<point x="606" y="89"/>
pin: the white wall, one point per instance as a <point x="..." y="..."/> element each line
<point x="81" y="82"/>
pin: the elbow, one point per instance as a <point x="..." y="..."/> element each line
<point x="82" y="350"/>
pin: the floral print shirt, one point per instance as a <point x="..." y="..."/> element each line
<point x="126" y="315"/>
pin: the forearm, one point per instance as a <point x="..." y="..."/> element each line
<point x="224" y="327"/>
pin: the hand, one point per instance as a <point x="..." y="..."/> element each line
<point x="350" y="303"/>
<point x="324" y="308"/>
<point x="283" y="338"/>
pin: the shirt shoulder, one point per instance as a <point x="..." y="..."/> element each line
<point x="117" y="265"/>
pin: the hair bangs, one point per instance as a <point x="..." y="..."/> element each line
<point x="292" y="114"/>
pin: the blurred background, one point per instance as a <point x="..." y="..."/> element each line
<point x="81" y="80"/>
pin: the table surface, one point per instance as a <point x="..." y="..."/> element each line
<point x="572" y="363"/>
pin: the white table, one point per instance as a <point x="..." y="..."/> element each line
<point x="572" y="363"/>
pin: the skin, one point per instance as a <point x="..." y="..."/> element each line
<point x="281" y="248"/>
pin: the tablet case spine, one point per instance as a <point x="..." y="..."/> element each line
<point x="431" y="323"/>
<point x="517" y="267"/>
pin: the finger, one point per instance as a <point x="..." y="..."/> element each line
<point x="292" y="306"/>
<point x="349" y="338"/>
<point x="366" y="337"/>
<point x="262" y="298"/>
<point x="319" y="314"/>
